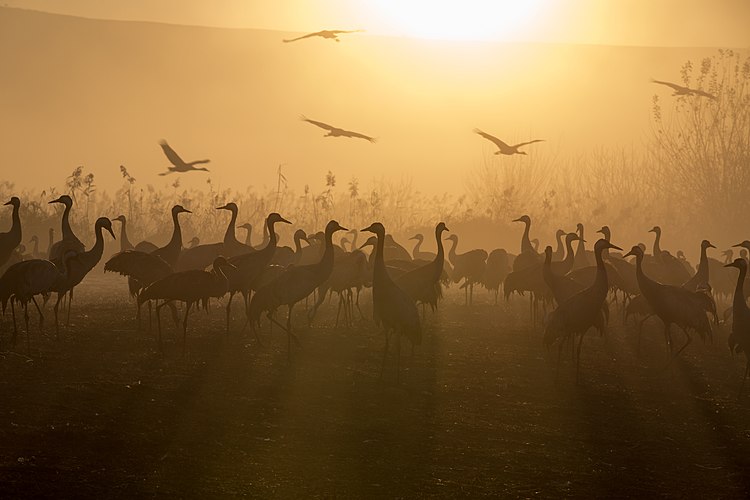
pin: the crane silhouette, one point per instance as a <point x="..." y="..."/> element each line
<point x="700" y="279"/>
<point x="470" y="266"/>
<point x="124" y="240"/>
<point x="739" y="337"/>
<point x="327" y="34"/>
<point x="10" y="240"/>
<point x="77" y="266"/>
<point x="679" y="90"/>
<point x="497" y="269"/>
<point x="292" y="286"/>
<point x="392" y="305"/>
<point x="339" y="132"/>
<point x="250" y="266"/>
<point x="528" y="256"/>
<point x="582" y="311"/>
<point x="191" y="287"/>
<point x="673" y="304"/>
<point x="69" y="241"/>
<point x="22" y="282"/>
<point x="502" y="147"/>
<point x="417" y="253"/>
<point x="178" y="164"/>
<point x="423" y="283"/>
<point x="201" y="256"/>
<point x="563" y="287"/>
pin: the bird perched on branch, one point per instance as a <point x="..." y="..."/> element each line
<point x="329" y="34"/>
<point x="504" y="148"/>
<point x="338" y="132"/>
<point x="679" y="90"/>
<point x="178" y="164"/>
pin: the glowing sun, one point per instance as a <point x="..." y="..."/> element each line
<point x="460" y="19"/>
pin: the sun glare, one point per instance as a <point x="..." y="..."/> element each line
<point x="461" y="19"/>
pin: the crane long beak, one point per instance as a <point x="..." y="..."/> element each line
<point x="109" y="230"/>
<point x="341" y="228"/>
<point x="731" y="264"/>
<point x="10" y="203"/>
<point x="630" y="253"/>
<point x="185" y="210"/>
<point x="737" y="245"/>
<point x="56" y="200"/>
<point x="711" y="246"/>
<point x="615" y="247"/>
<point x="223" y="207"/>
<point x="284" y="221"/>
<point x="516" y="220"/>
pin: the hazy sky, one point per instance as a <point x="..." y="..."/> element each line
<point x="709" y="23"/>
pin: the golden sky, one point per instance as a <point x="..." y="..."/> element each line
<point x="689" y="23"/>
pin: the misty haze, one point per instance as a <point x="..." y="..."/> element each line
<point x="374" y="249"/>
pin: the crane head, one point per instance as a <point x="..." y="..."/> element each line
<point x="231" y="206"/>
<point x="655" y="229"/>
<point x="64" y="199"/>
<point x="274" y="217"/>
<point x="120" y="218"/>
<point x="179" y="209"/>
<point x="375" y="227"/>
<point x="371" y="241"/>
<point x="334" y="226"/>
<point x="105" y="223"/>
<point x="739" y="263"/>
<point x="707" y="244"/>
<point x="417" y="237"/>
<point x="441" y="227"/>
<point x="744" y="244"/>
<point x="524" y="218"/>
<point x="637" y="251"/>
<point x="573" y="237"/>
<point x="246" y="225"/>
<point x="603" y="244"/>
<point x="14" y="201"/>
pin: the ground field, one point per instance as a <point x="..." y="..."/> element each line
<point x="101" y="413"/>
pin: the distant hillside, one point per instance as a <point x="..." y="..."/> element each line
<point x="101" y="93"/>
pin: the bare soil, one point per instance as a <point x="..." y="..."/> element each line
<point x="479" y="411"/>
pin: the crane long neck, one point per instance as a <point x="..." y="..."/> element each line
<point x="248" y="237"/>
<point x="440" y="257"/>
<point x="560" y="245"/>
<point x="526" y="245"/>
<point x="124" y="241"/>
<point x="93" y="256"/>
<point x="326" y="261"/>
<point x="452" y="253"/>
<point x="703" y="263"/>
<point x="657" y="246"/>
<point x="229" y="235"/>
<point x="272" y="239"/>
<point x="738" y="302"/>
<point x="15" y="227"/>
<point x="67" y="231"/>
<point x="570" y="255"/>
<point x="51" y="242"/>
<point x="176" y="232"/>
<point x="601" y="270"/>
<point x="354" y="240"/>
<point x="419" y="245"/>
<point x="581" y="243"/>
<point x="36" y="246"/>
<point x="379" y="257"/>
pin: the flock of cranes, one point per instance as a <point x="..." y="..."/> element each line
<point x="571" y="290"/>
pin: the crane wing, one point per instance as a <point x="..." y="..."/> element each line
<point x="144" y="267"/>
<point x="673" y="86"/>
<point x="704" y="94"/>
<point x="497" y="142"/>
<point x="357" y="135"/>
<point x="322" y="125"/>
<point x="343" y="32"/>
<point x="171" y="155"/>
<point x="527" y="143"/>
<point x="309" y="35"/>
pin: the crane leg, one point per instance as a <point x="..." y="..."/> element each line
<point x="338" y="311"/>
<point x="41" y="316"/>
<point x="688" y="339"/>
<point x="361" y="316"/>
<point x="184" y="327"/>
<point x="70" y="304"/>
<point x="15" y="328"/>
<point x="150" y="325"/>
<point x="26" y="320"/>
<point x="289" y="333"/>
<point x="55" y="308"/>
<point x="158" y="323"/>
<point x="744" y="379"/>
<point x="385" y="353"/>
<point x="229" y="309"/>
<point x="578" y="357"/>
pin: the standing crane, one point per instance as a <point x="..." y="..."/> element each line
<point x="191" y="287"/>
<point x="201" y="256"/>
<point x="392" y="305"/>
<point x="21" y="282"/>
<point x="249" y="266"/>
<point x="292" y="286"/>
<point x="470" y="266"/>
<point x="739" y="338"/>
<point x="582" y="311"/>
<point x="10" y="240"/>
<point x="700" y="279"/>
<point x="423" y="283"/>
<point x="673" y="304"/>
<point x="69" y="241"/>
<point x="417" y="253"/>
<point x="77" y="266"/>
